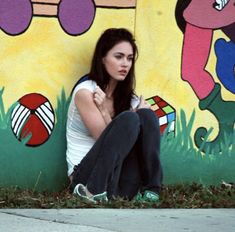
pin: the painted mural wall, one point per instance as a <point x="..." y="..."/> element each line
<point x="185" y="70"/>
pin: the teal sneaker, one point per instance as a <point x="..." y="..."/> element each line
<point x="150" y="196"/>
<point x="138" y="197"/>
<point x="102" y="197"/>
<point x="80" y="190"/>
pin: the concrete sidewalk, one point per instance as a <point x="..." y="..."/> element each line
<point x="121" y="220"/>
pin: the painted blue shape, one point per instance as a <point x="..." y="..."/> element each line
<point x="225" y="65"/>
<point x="171" y="117"/>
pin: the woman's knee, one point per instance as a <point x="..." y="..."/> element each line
<point x="129" y="117"/>
<point x="128" y="122"/>
<point x="147" y="114"/>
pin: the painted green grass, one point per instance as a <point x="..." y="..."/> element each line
<point x="44" y="167"/>
<point x="184" y="163"/>
<point x="38" y="168"/>
<point x="4" y="116"/>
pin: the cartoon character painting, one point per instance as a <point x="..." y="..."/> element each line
<point x="225" y="53"/>
<point x="74" y="16"/>
<point x="198" y="19"/>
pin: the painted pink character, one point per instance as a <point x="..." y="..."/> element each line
<point x="198" y="19"/>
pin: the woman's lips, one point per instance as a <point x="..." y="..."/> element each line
<point x="123" y="72"/>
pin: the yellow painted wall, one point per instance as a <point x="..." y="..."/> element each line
<point x="158" y="69"/>
<point x="45" y="59"/>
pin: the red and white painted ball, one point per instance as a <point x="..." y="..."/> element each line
<point x="33" y="119"/>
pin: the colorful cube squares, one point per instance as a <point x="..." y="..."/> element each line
<point x="165" y="112"/>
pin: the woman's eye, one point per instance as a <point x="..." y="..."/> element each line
<point x="118" y="57"/>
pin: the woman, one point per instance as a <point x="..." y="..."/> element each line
<point x="112" y="144"/>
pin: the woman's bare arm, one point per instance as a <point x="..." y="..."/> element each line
<point x="90" y="114"/>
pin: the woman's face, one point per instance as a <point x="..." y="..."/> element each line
<point x="118" y="60"/>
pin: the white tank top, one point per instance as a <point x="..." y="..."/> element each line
<point x="79" y="139"/>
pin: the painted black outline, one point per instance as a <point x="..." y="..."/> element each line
<point x="49" y="135"/>
<point x="116" y="7"/>
<point x="44" y="104"/>
<point x="46" y="16"/>
<point x="44" y="122"/>
<point x="18" y="128"/>
<point x="26" y="27"/>
<point x="18" y="105"/>
<point x="16" y="120"/>
<point x="44" y="3"/>
<point x="40" y="114"/>
<point x="83" y="31"/>
<point x="175" y="112"/>
<point x="57" y="16"/>
<point x="22" y="123"/>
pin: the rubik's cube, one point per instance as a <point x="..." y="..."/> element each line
<point x="165" y="112"/>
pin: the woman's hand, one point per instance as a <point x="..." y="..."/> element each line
<point x="143" y="104"/>
<point x="99" y="98"/>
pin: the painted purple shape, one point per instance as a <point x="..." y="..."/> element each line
<point x="15" y="16"/>
<point x="76" y="16"/>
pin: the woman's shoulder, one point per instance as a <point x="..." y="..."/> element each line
<point x="86" y="84"/>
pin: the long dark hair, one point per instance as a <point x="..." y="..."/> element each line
<point x="125" y="89"/>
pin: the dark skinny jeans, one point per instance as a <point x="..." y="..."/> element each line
<point x="125" y="159"/>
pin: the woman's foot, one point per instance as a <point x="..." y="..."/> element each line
<point x="147" y="196"/>
<point x="84" y="193"/>
<point x="150" y="196"/>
